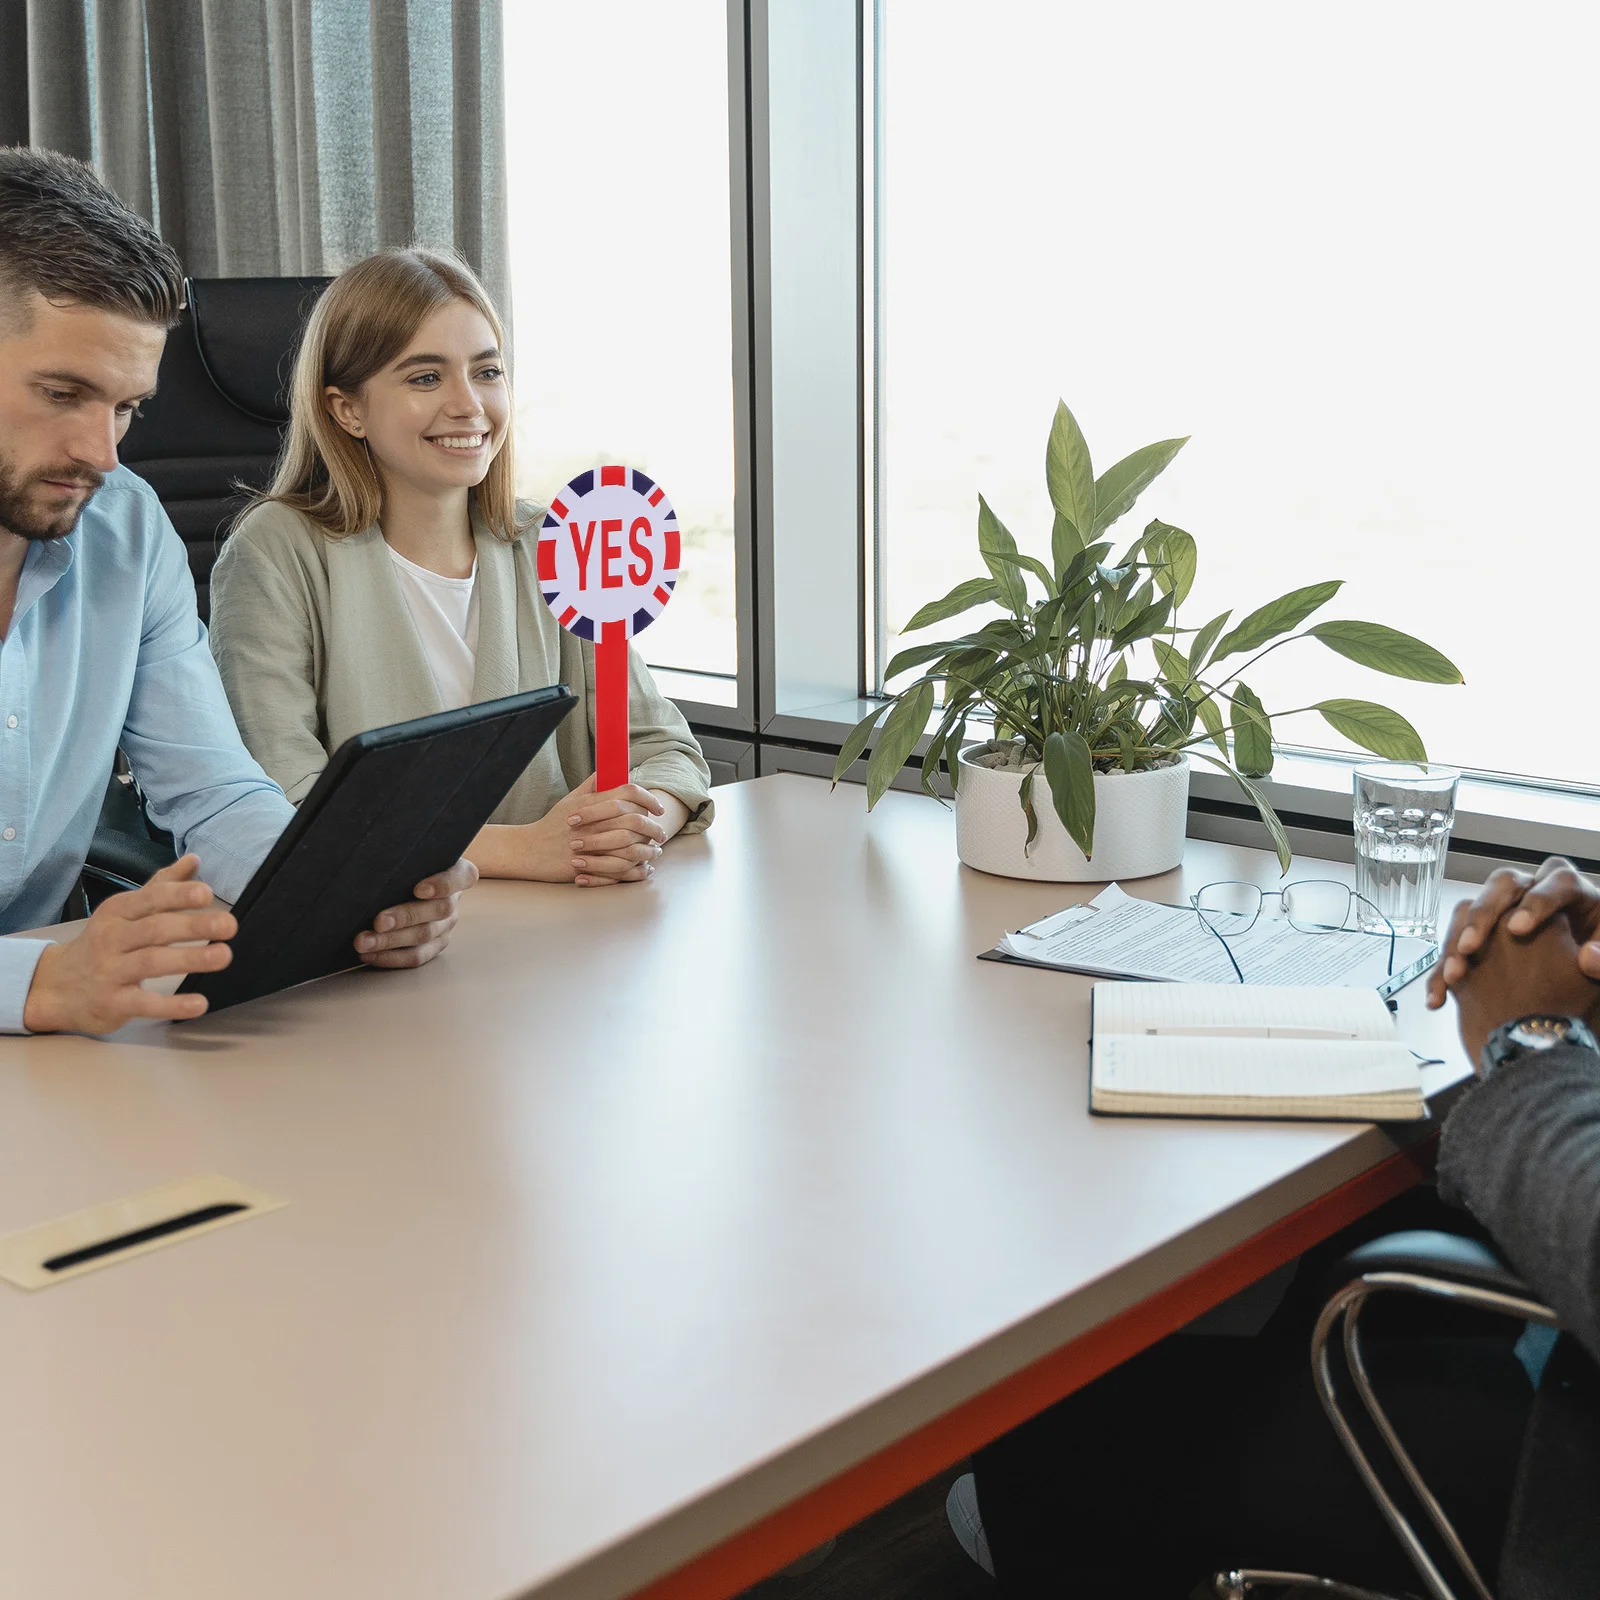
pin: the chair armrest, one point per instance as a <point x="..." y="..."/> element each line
<point x="1450" y="1257"/>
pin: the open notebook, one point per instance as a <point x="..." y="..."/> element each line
<point x="1232" y="1050"/>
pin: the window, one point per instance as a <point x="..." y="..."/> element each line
<point x="618" y="201"/>
<point x="1349" y="250"/>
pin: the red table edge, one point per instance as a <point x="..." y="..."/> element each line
<point x="788" y="1533"/>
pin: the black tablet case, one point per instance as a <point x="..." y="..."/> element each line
<point x="392" y="806"/>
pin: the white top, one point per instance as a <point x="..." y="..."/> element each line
<point x="445" y="611"/>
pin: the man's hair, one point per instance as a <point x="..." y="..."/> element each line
<point x="65" y="234"/>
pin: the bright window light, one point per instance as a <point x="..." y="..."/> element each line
<point x="1350" y="250"/>
<point x="617" y="190"/>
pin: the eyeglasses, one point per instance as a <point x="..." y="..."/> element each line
<point x="1313" y="905"/>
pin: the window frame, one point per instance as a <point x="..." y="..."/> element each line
<point x="811" y="628"/>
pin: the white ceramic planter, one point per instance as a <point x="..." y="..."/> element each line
<point x="1138" y="830"/>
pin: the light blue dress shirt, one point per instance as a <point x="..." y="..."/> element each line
<point x="105" y="648"/>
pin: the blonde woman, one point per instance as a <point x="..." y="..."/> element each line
<point x="385" y="574"/>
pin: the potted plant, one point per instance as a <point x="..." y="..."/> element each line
<point x="1099" y="693"/>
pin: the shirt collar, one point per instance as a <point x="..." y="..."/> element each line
<point x="43" y="567"/>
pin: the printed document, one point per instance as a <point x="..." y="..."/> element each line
<point x="1118" y="936"/>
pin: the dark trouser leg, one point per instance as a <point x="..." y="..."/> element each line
<point x="1204" y="1453"/>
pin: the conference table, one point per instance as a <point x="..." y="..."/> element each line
<point x="633" y="1247"/>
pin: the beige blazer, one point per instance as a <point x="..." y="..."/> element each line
<point x="314" y="643"/>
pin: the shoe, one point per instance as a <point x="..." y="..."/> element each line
<point x="961" y="1508"/>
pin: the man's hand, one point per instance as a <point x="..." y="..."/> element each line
<point x="615" y="837"/>
<point x="93" y="983"/>
<point x="1527" y="901"/>
<point x="412" y="934"/>
<point x="1518" y="975"/>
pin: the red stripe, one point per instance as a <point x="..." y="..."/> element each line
<point x="557" y="507"/>
<point x="671" y="562"/>
<point x="655" y="499"/>
<point x="616" y="475"/>
<point x="567" y="615"/>
<point x="611" y="707"/>
<point x="547" y="560"/>
<point x="662" y="596"/>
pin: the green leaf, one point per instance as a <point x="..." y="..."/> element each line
<point x="1252" y="733"/>
<point x="1118" y="487"/>
<point x="1204" y="639"/>
<point x="1148" y="622"/>
<point x="966" y="595"/>
<point x="1212" y="717"/>
<point x="1069" y="473"/>
<point x="1278" y="616"/>
<point x="1070" y="769"/>
<point x="1175" y="551"/>
<point x="855" y="742"/>
<point x="1174" y="666"/>
<point x="1376" y="728"/>
<point x="1026" y="796"/>
<point x="901" y="730"/>
<point x="1387" y="650"/>
<point x="1065" y="543"/>
<point x="1030" y="564"/>
<point x="904" y="660"/>
<point x="1119" y="671"/>
<point x="994" y="538"/>
<point x="1280" y="839"/>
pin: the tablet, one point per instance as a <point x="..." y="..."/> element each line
<point x="392" y="806"/>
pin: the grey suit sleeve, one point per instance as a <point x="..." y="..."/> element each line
<point x="1521" y="1151"/>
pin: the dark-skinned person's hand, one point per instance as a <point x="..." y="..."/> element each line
<point x="1526" y="901"/>
<point x="409" y="935"/>
<point x="1519" y="975"/>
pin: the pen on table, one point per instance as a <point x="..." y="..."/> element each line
<point x="1231" y="1031"/>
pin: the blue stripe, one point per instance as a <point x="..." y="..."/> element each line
<point x="583" y="484"/>
<point x="642" y="484"/>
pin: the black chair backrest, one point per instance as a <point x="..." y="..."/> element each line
<point x="217" y="418"/>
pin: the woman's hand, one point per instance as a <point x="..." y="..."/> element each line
<point x="617" y="835"/>
<point x="589" y="839"/>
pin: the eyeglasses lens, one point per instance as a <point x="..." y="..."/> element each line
<point x="1229" y="907"/>
<point x="1317" y="907"/>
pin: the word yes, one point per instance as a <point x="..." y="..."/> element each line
<point x="611" y="552"/>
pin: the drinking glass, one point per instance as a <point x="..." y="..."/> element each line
<point x="1403" y="814"/>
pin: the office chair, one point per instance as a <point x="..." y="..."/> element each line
<point x="216" y="420"/>
<point x="215" y="423"/>
<point x="1438" y="1266"/>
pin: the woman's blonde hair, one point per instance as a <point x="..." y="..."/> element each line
<point x="364" y="320"/>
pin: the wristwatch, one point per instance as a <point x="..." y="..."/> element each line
<point x="1529" y="1035"/>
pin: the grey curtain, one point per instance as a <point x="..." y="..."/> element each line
<point x="275" y="137"/>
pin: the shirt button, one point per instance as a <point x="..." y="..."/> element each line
<point x="10" y="833"/>
<point x="11" y="721"/>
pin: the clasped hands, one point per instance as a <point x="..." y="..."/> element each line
<point x="1529" y="944"/>
<point x="591" y="839"/>
<point x="174" y="925"/>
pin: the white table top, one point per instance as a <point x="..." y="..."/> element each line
<point x="639" y="1214"/>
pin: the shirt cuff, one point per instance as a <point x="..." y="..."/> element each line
<point x="18" y="958"/>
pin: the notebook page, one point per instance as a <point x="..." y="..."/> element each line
<point x="1239" y="1009"/>
<point x="1252" y="1068"/>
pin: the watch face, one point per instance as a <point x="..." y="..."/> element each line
<point x="1540" y="1033"/>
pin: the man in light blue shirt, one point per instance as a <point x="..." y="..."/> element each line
<point x="100" y="641"/>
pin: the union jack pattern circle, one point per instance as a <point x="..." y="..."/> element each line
<point x="608" y="553"/>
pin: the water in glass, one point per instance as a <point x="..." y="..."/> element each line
<point x="1403" y="816"/>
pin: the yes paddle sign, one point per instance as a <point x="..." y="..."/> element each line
<point x="608" y="563"/>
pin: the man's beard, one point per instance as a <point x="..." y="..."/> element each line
<point x="21" y="514"/>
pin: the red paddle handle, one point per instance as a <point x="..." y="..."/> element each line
<point x="611" y="707"/>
